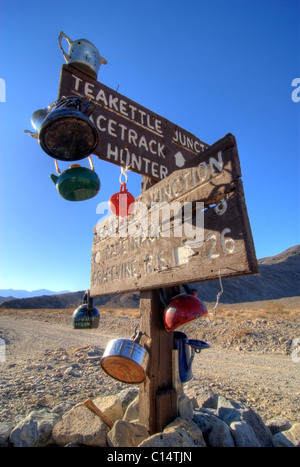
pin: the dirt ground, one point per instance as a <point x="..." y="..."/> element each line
<point x="252" y="357"/>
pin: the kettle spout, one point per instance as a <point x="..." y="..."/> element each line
<point x="34" y="134"/>
<point x="54" y="178"/>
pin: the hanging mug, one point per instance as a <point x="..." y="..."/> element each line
<point x="83" y="55"/>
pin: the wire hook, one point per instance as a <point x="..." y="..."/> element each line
<point x="221" y="291"/>
<point x="124" y="172"/>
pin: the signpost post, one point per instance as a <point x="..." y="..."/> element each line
<point x="191" y="225"/>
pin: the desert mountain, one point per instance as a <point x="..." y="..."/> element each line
<point x="279" y="277"/>
<point x="20" y="293"/>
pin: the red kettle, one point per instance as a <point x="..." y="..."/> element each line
<point x="182" y="308"/>
<point x="122" y="203"/>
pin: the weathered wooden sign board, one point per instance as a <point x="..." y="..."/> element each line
<point x="130" y="134"/>
<point x="150" y="250"/>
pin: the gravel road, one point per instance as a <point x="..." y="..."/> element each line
<point x="40" y="368"/>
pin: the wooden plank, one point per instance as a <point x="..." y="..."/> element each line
<point x="129" y="264"/>
<point x="166" y="407"/>
<point x="123" y="262"/>
<point x="130" y="134"/>
<point x="157" y="397"/>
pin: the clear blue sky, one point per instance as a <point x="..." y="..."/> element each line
<point x="210" y="66"/>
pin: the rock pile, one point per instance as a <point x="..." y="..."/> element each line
<point x="213" y="421"/>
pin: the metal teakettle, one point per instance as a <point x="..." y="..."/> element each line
<point x="186" y="352"/>
<point x="86" y="316"/>
<point x="67" y="133"/>
<point x="37" y="120"/>
<point x="83" y="55"/>
<point x="76" y="183"/>
<point x="182" y="308"/>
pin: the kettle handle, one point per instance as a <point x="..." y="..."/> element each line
<point x="56" y="167"/>
<point x="60" y="37"/>
<point x="197" y="345"/>
<point x="136" y="336"/>
<point x="90" y="161"/>
<point x="87" y="299"/>
<point x="88" y="108"/>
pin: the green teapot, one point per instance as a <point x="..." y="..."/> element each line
<point x="76" y="183"/>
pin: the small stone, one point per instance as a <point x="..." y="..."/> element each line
<point x="185" y="407"/>
<point x="132" y="411"/>
<point x="5" y="429"/>
<point x="126" y="434"/>
<point x="276" y="425"/>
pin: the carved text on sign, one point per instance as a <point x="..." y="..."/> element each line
<point x="130" y="134"/>
<point x="185" y="228"/>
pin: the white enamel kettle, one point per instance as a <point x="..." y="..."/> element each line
<point x="82" y="54"/>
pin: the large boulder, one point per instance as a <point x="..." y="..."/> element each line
<point x="215" y="431"/>
<point x="180" y="433"/>
<point x="244" y="435"/>
<point x="288" y="438"/>
<point x="35" y="430"/>
<point x="232" y="411"/>
<point x="80" y="426"/>
<point x="111" y="406"/>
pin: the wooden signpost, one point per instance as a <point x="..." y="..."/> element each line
<point x="191" y="225"/>
<point x="130" y="134"/>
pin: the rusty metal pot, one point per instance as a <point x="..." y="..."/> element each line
<point x="126" y="360"/>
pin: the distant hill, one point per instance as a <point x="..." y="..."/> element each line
<point x="6" y="299"/>
<point x="64" y="300"/>
<point x="279" y="277"/>
<point x="20" y="293"/>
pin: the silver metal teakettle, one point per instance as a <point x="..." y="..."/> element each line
<point x="82" y="54"/>
<point x="37" y="120"/>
